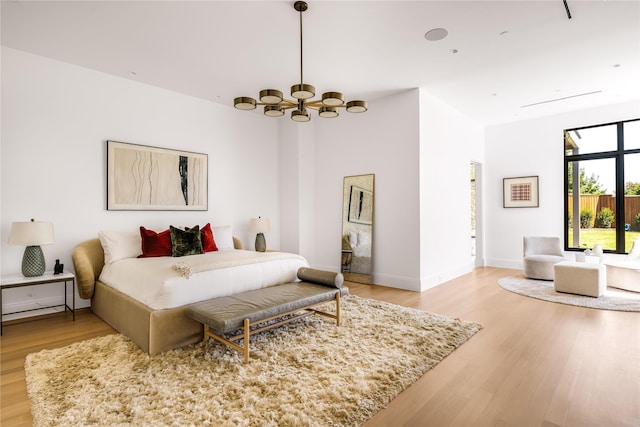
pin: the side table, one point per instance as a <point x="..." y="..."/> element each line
<point x="19" y="281"/>
<point x="347" y="258"/>
<point x="591" y="258"/>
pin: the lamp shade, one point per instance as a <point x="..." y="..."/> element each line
<point x="270" y="96"/>
<point x="332" y="99"/>
<point x="244" y="103"/>
<point x="300" y="116"/>
<point x="328" y="112"/>
<point x="303" y="91"/>
<point x="356" y="106"/>
<point x="260" y="225"/>
<point x="273" y="111"/>
<point x="31" y="233"/>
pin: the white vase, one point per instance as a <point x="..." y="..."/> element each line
<point x="597" y="250"/>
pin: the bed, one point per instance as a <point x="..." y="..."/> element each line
<point x="357" y="248"/>
<point x="160" y="324"/>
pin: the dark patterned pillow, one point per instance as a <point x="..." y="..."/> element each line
<point x="185" y="242"/>
<point x="208" y="242"/>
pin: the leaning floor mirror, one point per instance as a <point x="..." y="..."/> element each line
<point x="357" y="228"/>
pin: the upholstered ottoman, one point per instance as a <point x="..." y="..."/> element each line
<point x="580" y="278"/>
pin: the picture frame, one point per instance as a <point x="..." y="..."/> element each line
<point x="520" y="192"/>
<point x="141" y="177"/>
<point x="360" y="206"/>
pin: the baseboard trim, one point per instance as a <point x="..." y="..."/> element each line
<point x="504" y="263"/>
<point x="398" y="282"/>
<point x="443" y="277"/>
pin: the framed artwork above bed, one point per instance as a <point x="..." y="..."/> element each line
<point x="141" y="177"/>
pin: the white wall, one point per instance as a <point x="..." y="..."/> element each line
<point x="532" y="147"/>
<point x="449" y="141"/>
<point x="419" y="149"/>
<point x="383" y="141"/>
<point x="297" y="188"/>
<point x="56" y="118"/>
<point x="289" y="189"/>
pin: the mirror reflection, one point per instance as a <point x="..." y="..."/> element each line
<point x="357" y="227"/>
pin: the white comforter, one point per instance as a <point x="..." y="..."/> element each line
<point x="154" y="282"/>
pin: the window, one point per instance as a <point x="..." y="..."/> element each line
<point x="602" y="162"/>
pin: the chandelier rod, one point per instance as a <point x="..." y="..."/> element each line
<point x="301" y="9"/>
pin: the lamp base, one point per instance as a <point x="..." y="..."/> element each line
<point x="33" y="261"/>
<point x="261" y="243"/>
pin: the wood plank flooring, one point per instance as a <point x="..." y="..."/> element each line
<point x="535" y="363"/>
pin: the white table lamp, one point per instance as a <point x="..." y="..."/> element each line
<point x="32" y="234"/>
<point x="260" y="226"/>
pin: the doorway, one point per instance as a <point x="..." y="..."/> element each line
<point x="475" y="214"/>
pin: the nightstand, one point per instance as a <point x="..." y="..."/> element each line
<point x="347" y="257"/>
<point x="19" y="281"/>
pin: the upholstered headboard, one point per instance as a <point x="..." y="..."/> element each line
<point x="88" y="260"/>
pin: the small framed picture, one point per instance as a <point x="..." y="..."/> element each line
<point x="520" y="192"/>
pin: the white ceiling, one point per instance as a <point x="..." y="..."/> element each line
<point x="218" y="50"/>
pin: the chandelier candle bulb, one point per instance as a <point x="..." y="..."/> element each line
<point x="275" y="104"/>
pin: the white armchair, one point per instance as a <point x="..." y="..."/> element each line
<point x="540" y="255"/>
<point x="625" y="273"/>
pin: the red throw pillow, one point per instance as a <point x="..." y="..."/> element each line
<point x="155" y="244"/>
<point x="208" y="242"/>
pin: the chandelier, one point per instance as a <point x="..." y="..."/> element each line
<point x="275" y="104"/>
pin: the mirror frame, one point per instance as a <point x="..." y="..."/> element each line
<point x="358" y="207"/>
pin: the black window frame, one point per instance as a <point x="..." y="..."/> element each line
<point x="618" y="155"/>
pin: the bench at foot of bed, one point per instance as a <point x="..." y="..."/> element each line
<point x="286" y="302"/>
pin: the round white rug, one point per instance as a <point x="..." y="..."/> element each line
<point x="612" y="299"/>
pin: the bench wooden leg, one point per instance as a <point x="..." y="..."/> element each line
<point x="246" y="340"/>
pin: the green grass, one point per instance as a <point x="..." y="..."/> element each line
<point x="604" y="236"/>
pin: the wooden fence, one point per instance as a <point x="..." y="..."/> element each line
<point x="595" y="203"/>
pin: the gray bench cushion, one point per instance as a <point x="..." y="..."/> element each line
<point x="227" y="314"/>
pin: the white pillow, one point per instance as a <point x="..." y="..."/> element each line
<point x="223" y="237"/>
<point x="120" y="245"/>
<point x="353" y="239"/>
<point x="364" y="238"/>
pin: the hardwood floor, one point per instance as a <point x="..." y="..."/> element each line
<point x="535" y="363"/>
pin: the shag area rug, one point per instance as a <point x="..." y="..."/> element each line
<point x="306" y="373"/>
<point x="612" y="299"/>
